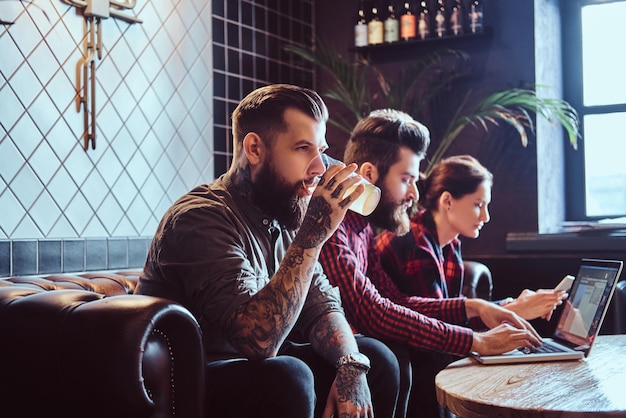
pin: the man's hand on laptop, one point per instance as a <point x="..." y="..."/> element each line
<point x="503" y="338"/>
<point x="508" y="330"/>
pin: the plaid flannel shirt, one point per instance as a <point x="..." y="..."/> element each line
<point x="418" y="264"/>
<point x="376" y="307"/>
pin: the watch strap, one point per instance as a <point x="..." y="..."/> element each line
<point x="354" y="359"/>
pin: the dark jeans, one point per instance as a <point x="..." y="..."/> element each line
<point x="295" y="383"/>
<point x="417" y="371"/>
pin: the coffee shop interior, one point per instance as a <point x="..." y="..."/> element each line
<point x="109" y="111"/>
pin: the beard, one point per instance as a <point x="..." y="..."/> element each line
<point x="278" y="199"/>
<point x="390" y="214"/>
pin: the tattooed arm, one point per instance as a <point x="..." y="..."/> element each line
<point x="259" y="327"/>
<point x="349" y="395"/>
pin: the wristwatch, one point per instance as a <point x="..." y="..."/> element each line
<point x="354" y="359"/>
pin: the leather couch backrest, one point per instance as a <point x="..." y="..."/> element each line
<point x="106" y="283"/>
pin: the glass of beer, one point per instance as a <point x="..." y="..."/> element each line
<point x="365" y="204"/>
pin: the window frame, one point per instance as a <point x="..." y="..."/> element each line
<point x="571" y="32"/>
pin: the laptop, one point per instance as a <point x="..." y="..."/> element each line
<point x="580" y="318"/>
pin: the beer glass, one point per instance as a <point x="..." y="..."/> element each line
<point x="366" y="203"/>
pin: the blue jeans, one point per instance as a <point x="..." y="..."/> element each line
<point x="295" y="383"/>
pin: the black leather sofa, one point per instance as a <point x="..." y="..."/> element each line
<point x="84" y="346"/>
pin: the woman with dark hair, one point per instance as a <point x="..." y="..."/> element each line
<point x="453" y="201"/>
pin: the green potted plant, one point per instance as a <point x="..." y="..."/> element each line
<point x="360" y="86"/>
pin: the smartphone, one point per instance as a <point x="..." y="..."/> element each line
<point x="566" y="283"/>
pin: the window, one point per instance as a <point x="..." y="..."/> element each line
<point x="594" y="83"/>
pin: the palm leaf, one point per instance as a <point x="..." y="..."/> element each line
<point x="350" y="80"/>
<point x="513" y="107"/>
<point x="431" y="79"/>
<point x="414" y="87"/>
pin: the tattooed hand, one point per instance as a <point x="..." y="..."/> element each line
<point x="328" y="206"/>
<point x="349" y="396"/>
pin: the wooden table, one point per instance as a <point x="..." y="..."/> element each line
<point x="593" y="387"/>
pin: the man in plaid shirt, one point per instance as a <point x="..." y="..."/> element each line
<point x="388" y="146"/>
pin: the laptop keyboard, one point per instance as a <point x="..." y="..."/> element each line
<point x="545" y="348"/>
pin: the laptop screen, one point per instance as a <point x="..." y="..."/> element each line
<point x="586" y="305"/>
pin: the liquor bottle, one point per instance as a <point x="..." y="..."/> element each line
<point x="375" y="28"/>
<point x="360" y="29"/>
<point x="392" y="29"/>
<point x="456" y="19"/>
<point x="423" y="21"/>
<point x="408" y="23"/>
<point x="440" y="19"/>
<point x="476" y="16"/>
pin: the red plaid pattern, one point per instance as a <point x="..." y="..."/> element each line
<point x="376" y="307"/>
<point x="418" y="264"/>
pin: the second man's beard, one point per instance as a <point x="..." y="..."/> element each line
<point x="390" y="215"/>
<point x="278" y="199"/>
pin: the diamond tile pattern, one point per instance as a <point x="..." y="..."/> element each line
<point x="150" y="119"/>
<point x="161" y="130"/>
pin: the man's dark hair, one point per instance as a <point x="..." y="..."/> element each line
<point x="262" y="110"/>
<point x="377" y="139"/>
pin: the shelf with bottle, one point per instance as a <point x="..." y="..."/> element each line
<point x="448" y="39"/>
<point x="419" y="22"/>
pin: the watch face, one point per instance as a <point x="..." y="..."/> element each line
<point x="355" y="359"/>
<point x="361" y="358"/>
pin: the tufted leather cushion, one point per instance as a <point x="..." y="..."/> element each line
<point x="106" y="283"/>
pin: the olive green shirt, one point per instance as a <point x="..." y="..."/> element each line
<point x="214" y="250"/>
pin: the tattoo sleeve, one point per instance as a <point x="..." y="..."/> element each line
<point x="332" y="337"/>
<point x="316" y="224"/>
<point x="348" y="385"/>
<point x="260" y="326"/>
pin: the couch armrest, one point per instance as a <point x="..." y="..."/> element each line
<point x="74" y="353"/>
<point x="477" y="280"/>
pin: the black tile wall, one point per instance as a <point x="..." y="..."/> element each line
<point x="47" y="256"/>
<point x="221" y="163"/>
<point x="218" y="7"/>
<point x="248" y="52"/>
<point x="248" y="40"/>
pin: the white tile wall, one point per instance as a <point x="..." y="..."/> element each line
<point x="154" y="115"/>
